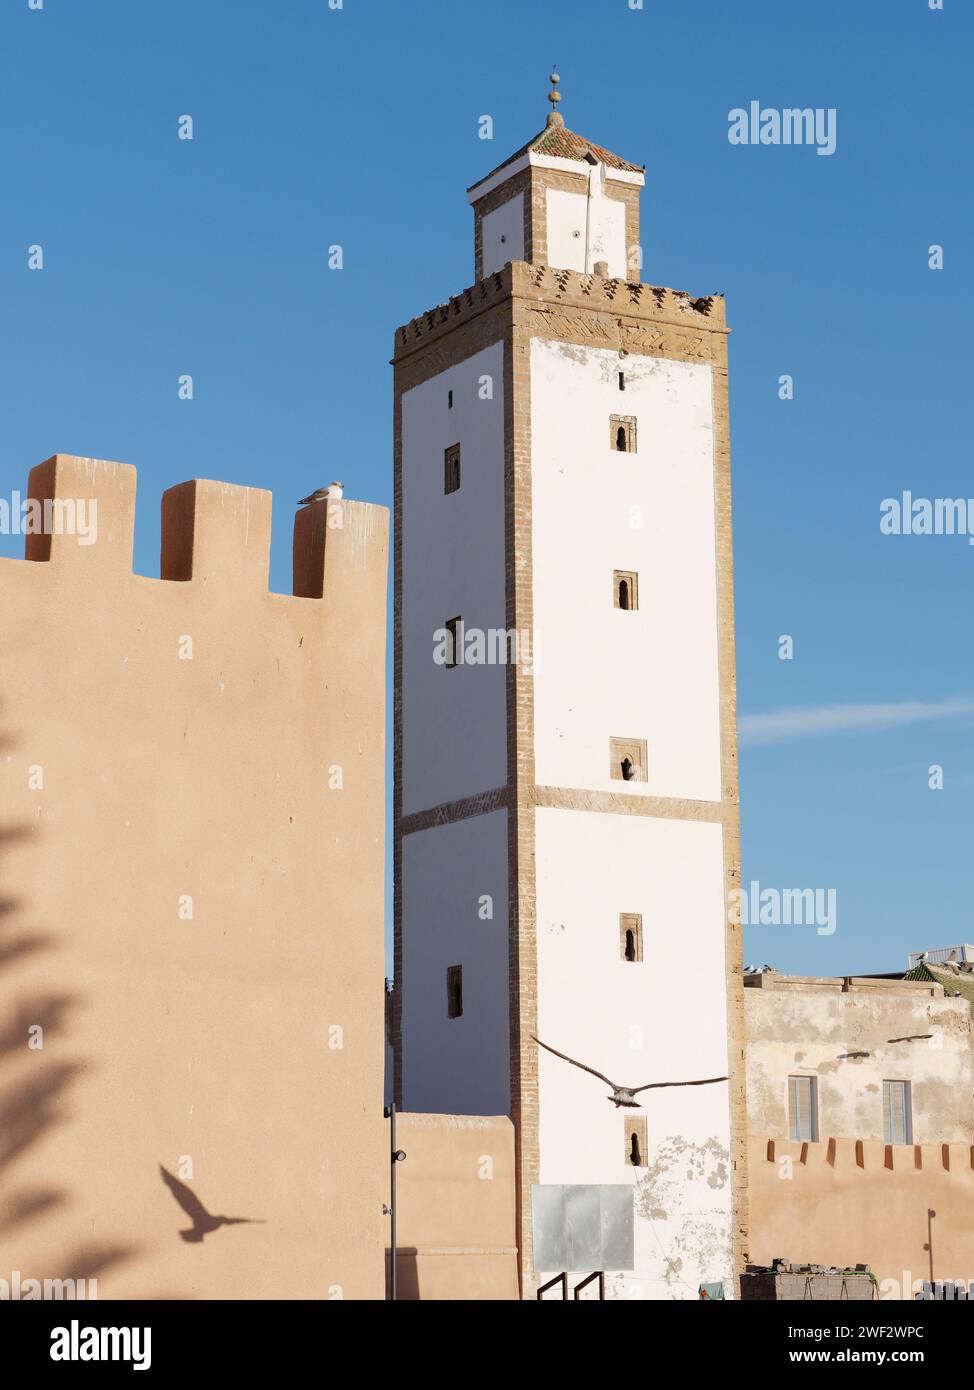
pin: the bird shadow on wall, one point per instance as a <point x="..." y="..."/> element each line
<point x="204" y="1222"/>
<point x="37" y="1071"/>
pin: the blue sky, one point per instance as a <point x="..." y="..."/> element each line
<point x="359" y="126"/>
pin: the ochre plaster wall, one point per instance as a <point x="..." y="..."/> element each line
<point x="248" y="1039"/>
<point x="846" y="1204"/>
<point x="455" y="1207"/>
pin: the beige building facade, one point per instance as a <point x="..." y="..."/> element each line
<point x="878" y="1060"/>
<point x="861" y="1141"/>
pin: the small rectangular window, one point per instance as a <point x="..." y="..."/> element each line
<point x="631" y="936"/>
<point x="449" y="400"/>
<point x="625" y="592"/>
<point x="897" y="1117"/>
<point x="451" y="468"/>
<point x="622" y="433"/>
<point x="803" y="1109"/>
<point x="627" y="759"/>
<point x="454" y="991"/>
<point x="634" y="1128"/>
<point x="454" y="628"/>
<point x="622" y="381"/>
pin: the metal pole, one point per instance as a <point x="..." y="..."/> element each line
<point x="392" y="1192"/>
<point x="395" y="1156"/>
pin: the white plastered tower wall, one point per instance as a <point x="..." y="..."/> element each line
<point x="650" y="672"/>
<point x="454" y="742"/>
<point x="503" y="775"/>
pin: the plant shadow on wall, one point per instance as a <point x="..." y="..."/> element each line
<point x="36" y="1076"/>
<point x="699" y="1239"/>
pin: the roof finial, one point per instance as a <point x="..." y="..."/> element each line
<point x="554" y="96"/>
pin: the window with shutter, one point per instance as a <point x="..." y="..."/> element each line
<point x="897" y="1120"/>
<point x="802" y="1109"/>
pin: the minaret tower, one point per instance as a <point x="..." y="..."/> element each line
<point x="566" y="744"/>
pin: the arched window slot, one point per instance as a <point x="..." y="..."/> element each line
<point x="627" y="759"/>
<point x="622" y="431"/>
<point x="637" y="1147"/>
<point x="624" y="590"/>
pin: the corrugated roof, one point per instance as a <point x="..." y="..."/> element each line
<point x="558" y="142"/>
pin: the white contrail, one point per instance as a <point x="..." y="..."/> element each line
<point x="811" y="720"/>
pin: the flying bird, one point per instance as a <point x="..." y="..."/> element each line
<point x="321" y="494"/>
<point x="623" y="1095"/>
<point x="203" y="1223"/>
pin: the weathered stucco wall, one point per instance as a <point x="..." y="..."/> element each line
<point x="455" y="1208"/>
<point x="851" y="1036"/>
<point x="897" y="1208"/>
<point x="193" y="745"/>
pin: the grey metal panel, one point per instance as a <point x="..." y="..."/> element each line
<point x="582" y="1227"/>
<point x="548" y="1219"/>
<point x="617" y="1229"/>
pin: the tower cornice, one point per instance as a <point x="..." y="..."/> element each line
<point x="625" y="314"/>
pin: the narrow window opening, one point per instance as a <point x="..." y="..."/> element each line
<point x="622" y="381"/>
<point x="449" y="400"/>
<point x="622" y="429"/>
<point x="451" y="467"/>
<point x="637" y="1147"/>
<point x="631" y="937"/>
<point x="454" y="991"/>
<point x="625" y="590"/>
<point x="627" y="759"/>
<point x="454" y="627"/>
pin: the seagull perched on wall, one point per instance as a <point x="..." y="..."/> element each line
<point x="623" y="1095"/>
<point x="203" y="1223"/>
<point x="322" y="494"/>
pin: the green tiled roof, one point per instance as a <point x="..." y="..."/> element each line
<point x="937" y="975"/>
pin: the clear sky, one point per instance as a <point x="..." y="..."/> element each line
<point x="359" y="127"/>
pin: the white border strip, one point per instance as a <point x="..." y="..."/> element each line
<point x="547" y="161"/>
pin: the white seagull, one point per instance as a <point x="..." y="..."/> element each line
<point x="333" y="491"/>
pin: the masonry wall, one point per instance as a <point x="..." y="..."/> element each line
<point x="191" y="867"/>
<point x="455" y="1208"/>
